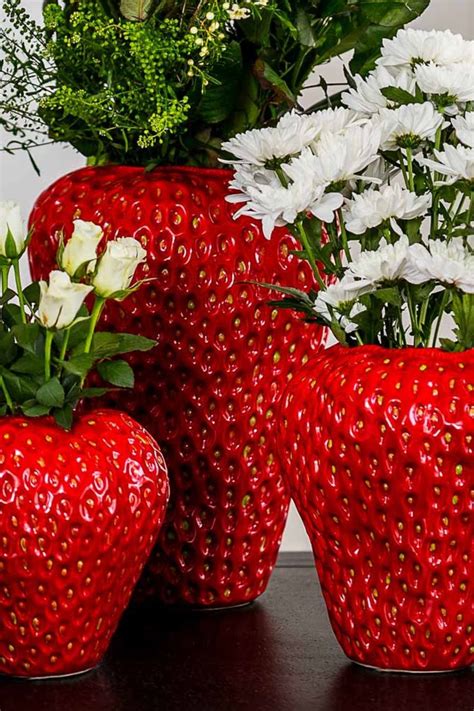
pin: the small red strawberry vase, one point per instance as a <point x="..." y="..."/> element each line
<point x="208" y="392"/>
<point x="79" y="514"/>
<point x="378" y="447"/>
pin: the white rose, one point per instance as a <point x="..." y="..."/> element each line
<point x="82" y="247"/>
<point x="11" y="221"/>
<point x="117" y="266"/>
<point x="60" y="300"/>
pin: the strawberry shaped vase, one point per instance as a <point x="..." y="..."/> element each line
<point x="379" y="453"/>
<point x="79" y="514"/>
<point x="208" y="392"/>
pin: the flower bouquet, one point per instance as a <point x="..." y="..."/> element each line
<point x="377" y="432"/>
<point x="78" y="491"/>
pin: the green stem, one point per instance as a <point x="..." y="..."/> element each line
<point x="345" y="243"/>
<point x="5" y="272"/>
<point x="439" y="320"/>
<point x="309" y="252"/>
<point x="47" y="354"/>
<point x="411" y="179"/>
<point x="414" y="320"/>
<point x="19" y="289"/>
<point x="6" y="394"/>
<point x="62" y="352"/>
<point x="95" y="316"/>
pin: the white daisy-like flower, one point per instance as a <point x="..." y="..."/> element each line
<point x="372" y="207"/>
<point x="411" y="47"/>
<point x="339" y="301"/>
<point x="338" y="159"/>
<point x="464" y="127"/>
<point x="367" y="97"/>
<point x="456" y="162"/>
<point x="313" y="126"/>
<point x="454" y="82"/>
<point x="387" y="263"/>
<point x="409" y="125"/>
<point x="276" y="205"/>
<point x="259" y="147"/>
<point x="449" y="263"/>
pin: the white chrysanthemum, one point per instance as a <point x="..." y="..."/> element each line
<point x="372" y="207"/>
<point x="276" y="205"/>
<point x="449" y="263"/>
<point x="339" y="301"/>
<point x="455" y="82"/>
<point x="313" y="126"/>
<point x="338" y="159"/>
<point x="409" y="125"/>
<point x="367" y="97"/>
<point x="411" y="47"/>
<point x="387" y="263"/>
<point x="464" y="127"/>
<point x="457" y="163"/>
<point x="259" y="147"/>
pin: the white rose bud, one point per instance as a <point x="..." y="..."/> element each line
<point x="11" y="222"/>
<point x="60" y="300"/>
<point x="82" y="247"/>
<point x="117" y="266"/>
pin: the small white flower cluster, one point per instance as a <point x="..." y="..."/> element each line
<point x="392" y="166"/>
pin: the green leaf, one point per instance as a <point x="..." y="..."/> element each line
<point x="400" y="96"/>
<point x="7" y="296"/>
<point x="28" y="363"/>
<point x="270" y="79"/>
<point x="107" y="345"/>
<point x="94" y="392"/>
<point x="26" y="335"/>
<point x="135" y="10"/>
<point x="35" y="410"/>
<point x="20" y="387"/>
<point x="11" y="314"/>
<point x="64" y="417"/>
<point x="51" y="393"/>
<point x="79" y="365"/>
<point x="8" y="349"/>
<point x="219" y="99"/>
<point x="117" y="372"/>
<point x="32" y="293"/>
<point x="389" y="295"/>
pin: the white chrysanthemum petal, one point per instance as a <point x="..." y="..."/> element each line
<point x="387" y="263"/>
<point x="410" y="47"/>
<point x="455" y="81"/>
<point x="456" y="162"/>
<point x="449" y="263"/>
<point x="367" y="97"/>
<point x="411" y="123"/>
<point x="372" y="207"/>
<point x="464" y="127"/>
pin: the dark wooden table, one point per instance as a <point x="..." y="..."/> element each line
<point x="278" y="655"/>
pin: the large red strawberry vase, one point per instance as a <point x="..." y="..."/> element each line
<point x="210" y="389"/>
<point x="80" y="513"/>
<point x="378" y="448"/>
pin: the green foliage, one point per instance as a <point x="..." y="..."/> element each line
<point x="150" y="82"/>
<point x="36" y="382"/>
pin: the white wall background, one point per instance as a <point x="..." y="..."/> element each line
<point x="19" y="182"/>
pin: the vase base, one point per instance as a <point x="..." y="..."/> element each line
<point x="47" y="677"/>
<point x="407" y="671"/>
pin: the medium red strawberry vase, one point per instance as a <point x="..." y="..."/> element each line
<point x="208" y="392"/>
<point x="79" y="514"/>
<point x="378" y="447"/>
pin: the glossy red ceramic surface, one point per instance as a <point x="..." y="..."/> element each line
<point x="208" y="392"/>
<point x="379" y="453"/>
<point x="79" y="514"/>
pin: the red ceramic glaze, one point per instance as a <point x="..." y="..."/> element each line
<point x="379" y="453"/>
<point x="79" y="514"/>
<point x="208" y="392"/>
